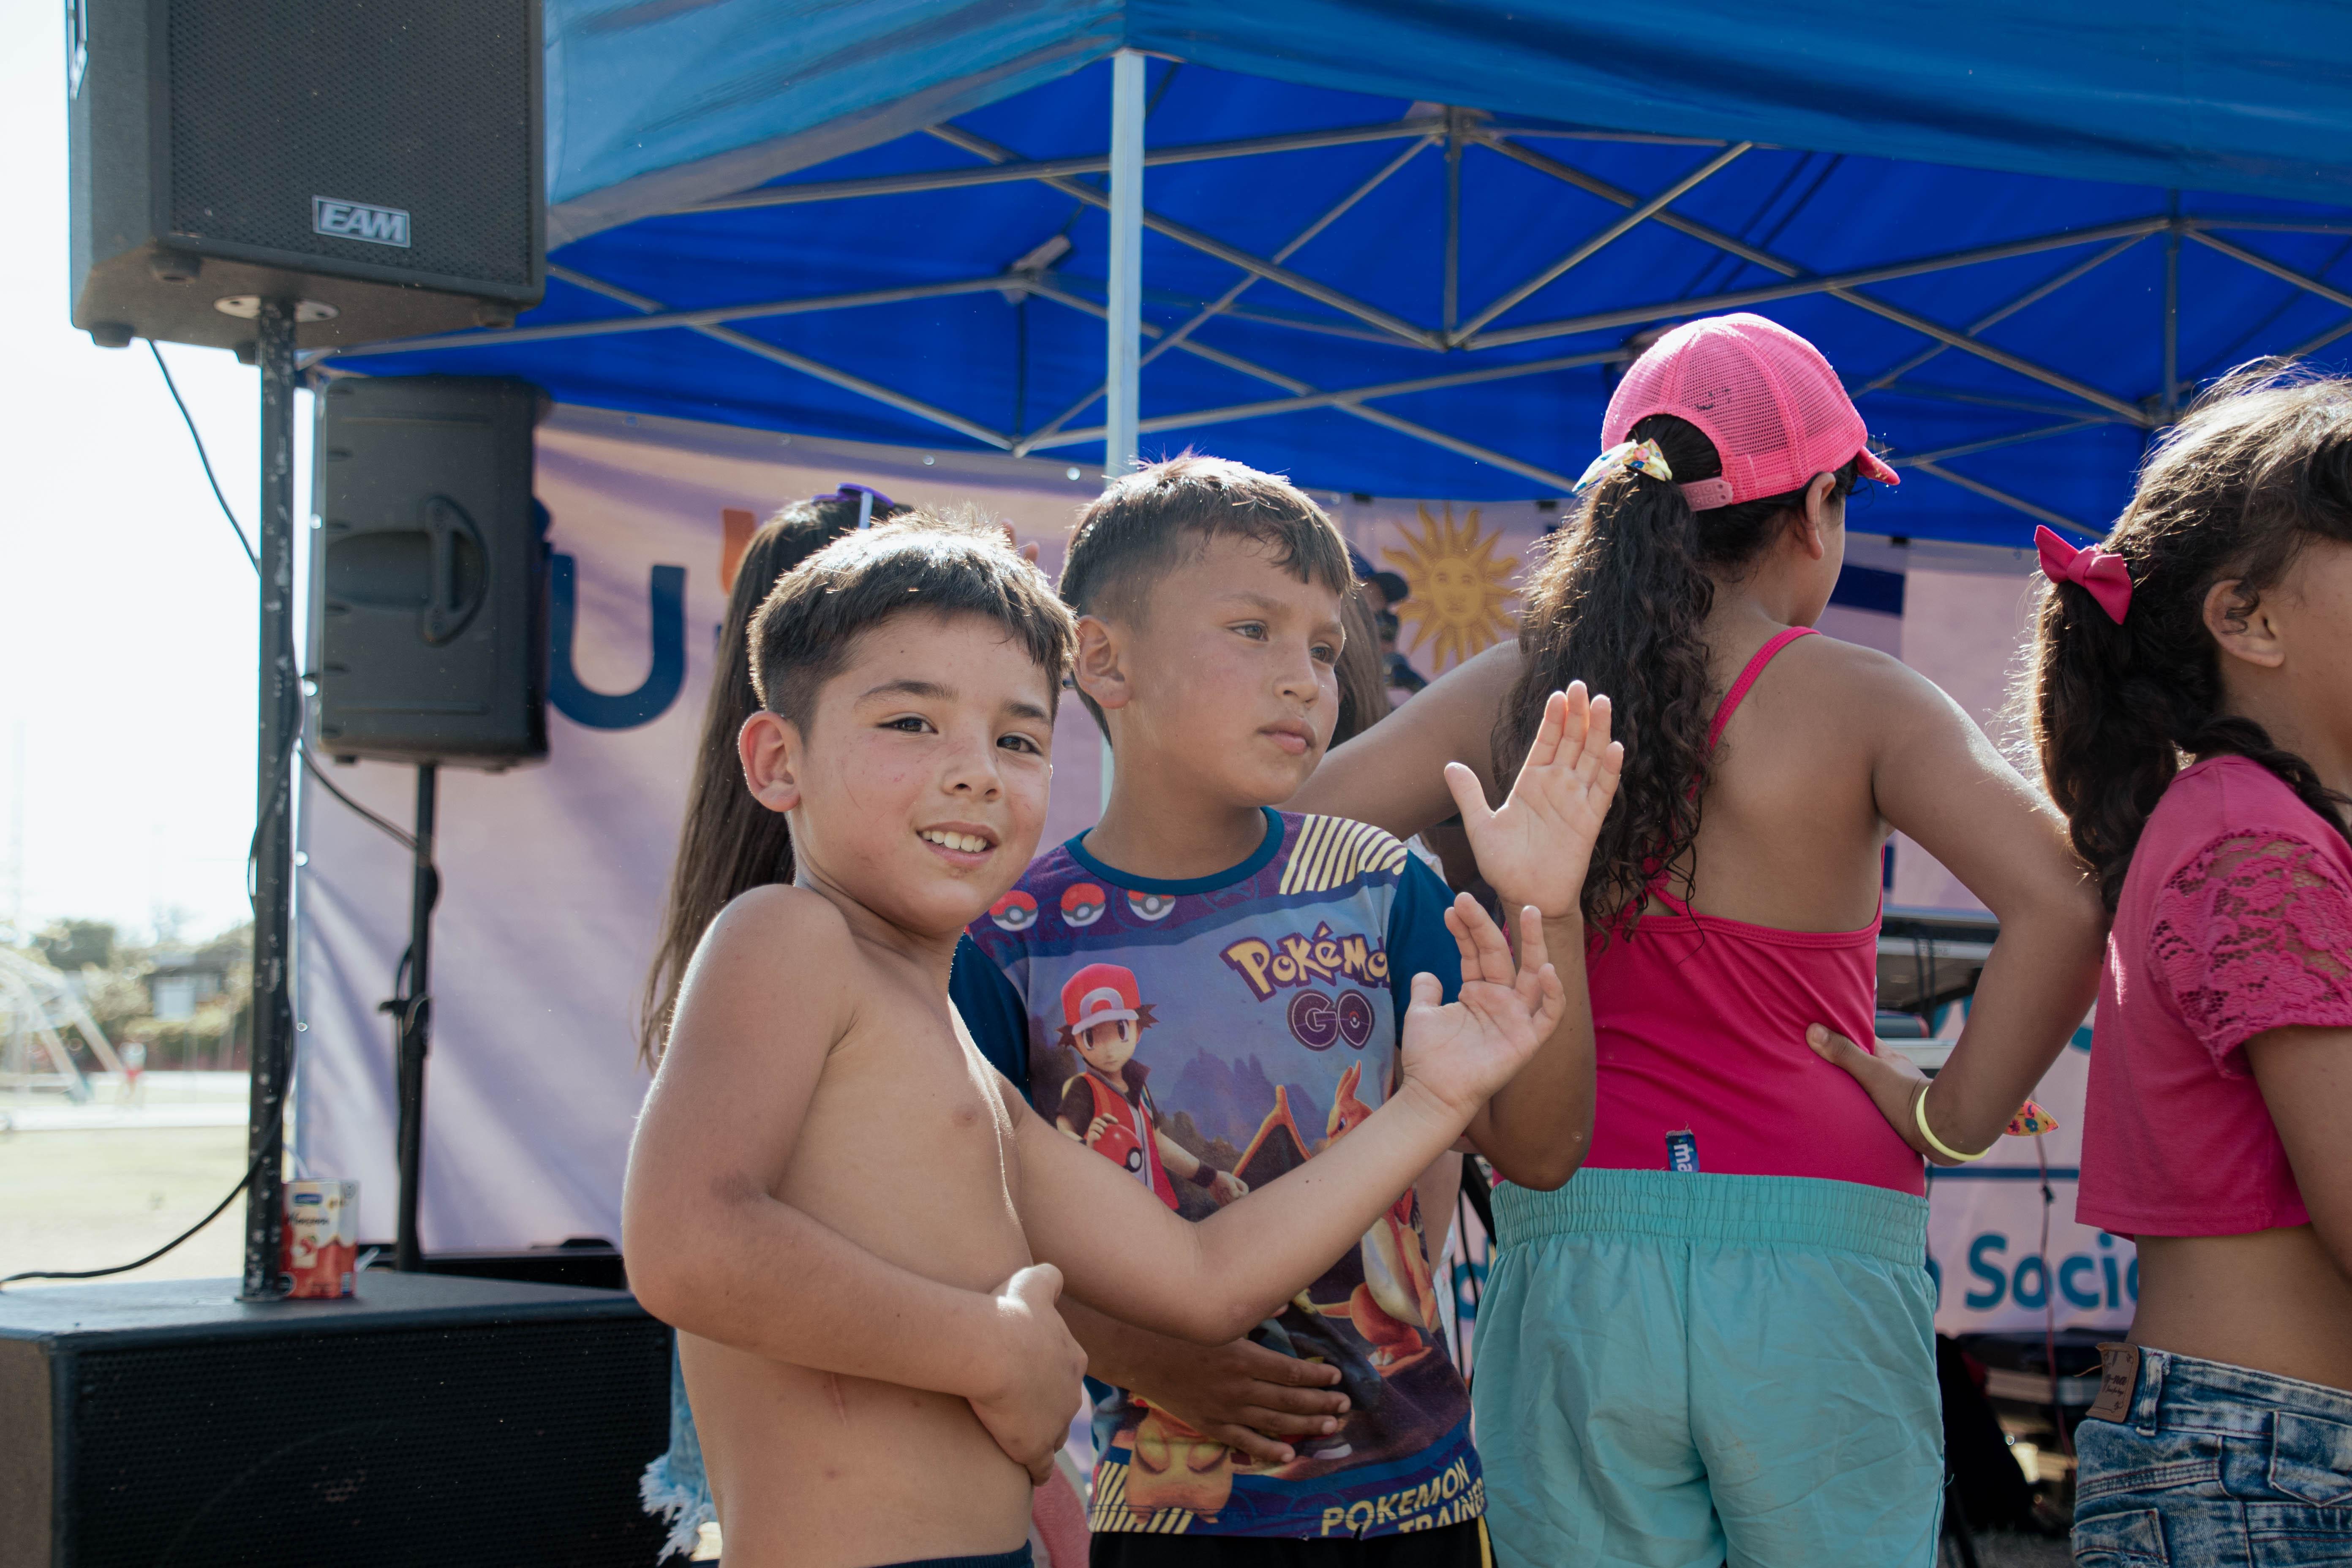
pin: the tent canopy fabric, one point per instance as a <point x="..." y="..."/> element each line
<point x="658" y="103"/>
<point x="1404" y="249"/>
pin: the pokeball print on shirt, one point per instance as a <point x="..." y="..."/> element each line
<point x="1016" y="910"/>
<point x="1150" y="906"/>
<point x="1082" y="904"/>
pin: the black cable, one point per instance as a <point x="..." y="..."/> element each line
<point x="399" y="835"/>
<point x="189" y="419"/>
<point x="270" y="1147"/>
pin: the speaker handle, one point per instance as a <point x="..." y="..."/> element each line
<point x="445" y="612"/>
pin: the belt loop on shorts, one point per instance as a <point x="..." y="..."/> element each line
<point x="2148" y="1404"/>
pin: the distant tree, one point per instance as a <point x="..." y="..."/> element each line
<point x="72" y="946"/>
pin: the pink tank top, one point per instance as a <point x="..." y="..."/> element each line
<point x="1700" y="1027"/>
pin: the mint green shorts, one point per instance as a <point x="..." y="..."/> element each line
<point x="1680" y="1370"/>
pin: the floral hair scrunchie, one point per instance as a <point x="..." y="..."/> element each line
<point x="1641" y="457"/>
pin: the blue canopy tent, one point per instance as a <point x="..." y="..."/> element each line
<point x="1402" y="248"/>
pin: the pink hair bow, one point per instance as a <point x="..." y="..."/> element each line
<point x="2102" y="573"/>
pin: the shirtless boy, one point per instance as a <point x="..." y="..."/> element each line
<point x="838" y="1203"/>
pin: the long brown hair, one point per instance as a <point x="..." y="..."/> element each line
<point x="729" y="844"/>
<point x="1362" y="672"/>
<point x="1618" y="603"/>
<point x="2261" y="463"/>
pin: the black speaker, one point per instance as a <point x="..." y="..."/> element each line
<point x="430" y="1419"/>
<point x="378" y="159"/>
<point x="428" y="572"/>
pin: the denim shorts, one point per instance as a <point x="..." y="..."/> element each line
<point x="2216" y="1465"/>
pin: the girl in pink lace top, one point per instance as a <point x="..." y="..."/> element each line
<point x="2216" y="624"/>
<point x="2235" y="918"/>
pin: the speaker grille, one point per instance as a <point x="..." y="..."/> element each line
<point x="415" y="105"/>
<point x="449" y="1447"/>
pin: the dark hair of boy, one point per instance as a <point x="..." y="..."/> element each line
<point x="2261" y="465"/>
<point x="1618" y="603"/>
<point x="1156" y="519"/>
<point x="724" y="850"/>
<point x="803" y="635"/>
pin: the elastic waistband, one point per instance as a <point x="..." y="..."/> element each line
<point x="2188" y="1394"/>
<point x="1738" y="1211"/>
<point x="1016" y="1558"/>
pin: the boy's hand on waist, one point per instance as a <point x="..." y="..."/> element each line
<point x="1037" y="1366"/>
<point x="1462" y="1052"/>
<point x="1537" y="848"/>
<point x="1245" y="1396"/>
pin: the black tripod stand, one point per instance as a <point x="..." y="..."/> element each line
<point x="412" y="1011"/>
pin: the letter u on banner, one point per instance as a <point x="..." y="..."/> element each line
<point x="664" y="675"/>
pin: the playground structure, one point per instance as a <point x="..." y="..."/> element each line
<point x="38" y="1005"/>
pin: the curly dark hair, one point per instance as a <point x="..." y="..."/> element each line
<point x="1618" y="603"/>
<point x="2261" y="465"/>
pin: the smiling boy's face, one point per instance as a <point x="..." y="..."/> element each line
<point x="1231" y="669"/>
<point x="918" y="788"/>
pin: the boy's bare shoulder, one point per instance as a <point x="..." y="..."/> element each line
<point x="784" y="909"/>
<point x="775" y="938"/>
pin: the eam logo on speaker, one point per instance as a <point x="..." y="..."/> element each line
<point x="359" y="220"/>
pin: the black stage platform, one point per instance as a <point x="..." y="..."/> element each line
<point x="431" y="1418"/>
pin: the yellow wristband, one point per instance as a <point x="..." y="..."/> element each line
<point x="1919" y="1114"/>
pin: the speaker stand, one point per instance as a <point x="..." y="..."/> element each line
<point x="414" y="1009"/>
<point x="278" y="723"/>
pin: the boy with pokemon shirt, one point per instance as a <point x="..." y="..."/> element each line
<point x="1277" y="951"/>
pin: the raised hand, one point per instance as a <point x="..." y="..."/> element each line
<point x="1535" y="850"/>
<point x="1463" y="1051"/>
<point x="1029" y="1412"/>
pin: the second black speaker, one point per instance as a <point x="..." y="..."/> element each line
<point x="428" y="573"/>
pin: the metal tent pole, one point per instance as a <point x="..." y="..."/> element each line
<point x="279" y="712"/>
<point x="1122" y="368"/>
<point x="2167" y="403"/>
<point x="1126" y="329"/>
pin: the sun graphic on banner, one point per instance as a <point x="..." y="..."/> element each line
<point x="1458" y="587"/>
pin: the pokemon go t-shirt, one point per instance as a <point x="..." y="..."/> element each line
<point x="1207" y="1036"/>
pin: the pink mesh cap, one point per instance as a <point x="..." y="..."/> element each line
<point x="1765" y="396"/>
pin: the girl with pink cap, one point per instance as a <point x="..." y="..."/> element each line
<point x="1717" y="1342"/>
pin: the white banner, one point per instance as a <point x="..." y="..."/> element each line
<point x="1985" y="1229"/>
<point x="553" y="875"/>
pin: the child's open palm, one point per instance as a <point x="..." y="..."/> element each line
<point x="1535" y="850"/>
<point x="1463" y="1051"/>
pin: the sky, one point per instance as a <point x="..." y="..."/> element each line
<point x="128" y="634"/>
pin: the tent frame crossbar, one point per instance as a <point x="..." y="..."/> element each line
<point x="1404" y="331"/>
<point x="1238" y="411"/>
<point x="800" y="363"/>
<point x="1015" y="170"/>
<point x="1467" y="334"/>
<point x="1298" y="388"/>
<point x="1456" y="131"/>
<point x="1223" y="303"/>
<point x="658" y="321"/>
